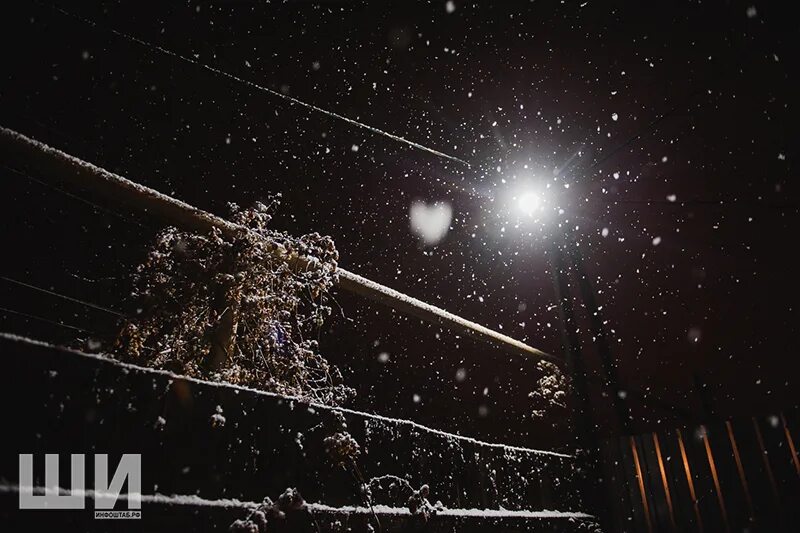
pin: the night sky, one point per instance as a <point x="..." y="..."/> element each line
<point x="658" y="139"/>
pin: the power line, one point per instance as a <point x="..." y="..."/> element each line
<point x="41" y="319"/>
<point x="291" y="99"/>
<point x="62" y="296"/>
<point x="74" y="197"/>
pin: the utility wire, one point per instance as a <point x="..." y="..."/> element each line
<point x="254" y="85"/>
<point x="62" y="296"/>
<point x="75" y="197"/>
<point x="41" y="319"/>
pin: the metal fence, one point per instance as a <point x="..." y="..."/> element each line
<point x="737" y="475"/>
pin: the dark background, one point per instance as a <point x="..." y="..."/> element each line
<point x="703" y="99"/>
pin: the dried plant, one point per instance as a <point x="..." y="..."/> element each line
<point x="340" y="446"/>
<point x="420" y="507"/>
<point x="390" y="490"/>
<point x="288" y="513"/>
<point x="230" y="309"/>
<point x="553" y="388"/>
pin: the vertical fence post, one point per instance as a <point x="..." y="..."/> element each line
<point x="715" y="477"/>
<point x="790" y="441"/>
<point x="765" y="458"/>
<point x="640" y="478"/>
<point x="665" y="482"/>
<point x="690" y="482"/>
<point x="740" y="469"/>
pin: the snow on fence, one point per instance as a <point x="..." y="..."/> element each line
<point x="505" y="449"/>
<point x="211" y="450"/>
<point x="192" y="513"/>
<point x="51" y="163"/>
<point x="193" y="500"/>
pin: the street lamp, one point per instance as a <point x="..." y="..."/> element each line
<point x="529" y="203"/>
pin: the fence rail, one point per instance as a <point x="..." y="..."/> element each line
<point x="21" y="152"/>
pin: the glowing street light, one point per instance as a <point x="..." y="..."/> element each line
<point x="529" y="203"/>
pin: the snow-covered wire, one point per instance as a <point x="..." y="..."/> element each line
<point x="259" y="87"/>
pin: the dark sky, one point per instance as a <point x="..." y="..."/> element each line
<point x="661" y="139"/>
